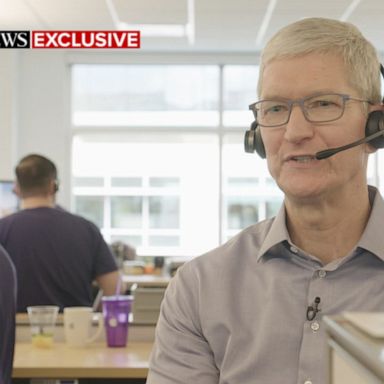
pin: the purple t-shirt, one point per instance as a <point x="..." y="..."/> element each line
<point x="57" y="255"/>
<point x="7" y="316"/>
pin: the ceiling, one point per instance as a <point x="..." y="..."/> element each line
<point x="219" y="25"/>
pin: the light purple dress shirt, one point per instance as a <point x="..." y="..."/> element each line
<point x="237" y="315"/>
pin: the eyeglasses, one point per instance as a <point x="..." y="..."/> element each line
<point x="320" y="108"/>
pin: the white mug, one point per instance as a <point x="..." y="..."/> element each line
<point x="78" y="325"/>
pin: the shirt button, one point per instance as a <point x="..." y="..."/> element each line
<point x="322" y="273"/>
<point x="294" y="249"/>
<point x="315" y="326"/>
<point x="307" y="382"/>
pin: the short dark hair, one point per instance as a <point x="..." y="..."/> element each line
<point x="34" y="174"/>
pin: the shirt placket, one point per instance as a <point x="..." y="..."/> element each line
<point x="313" y="341"/>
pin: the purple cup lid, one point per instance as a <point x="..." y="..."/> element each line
<point x="117" y="298"/>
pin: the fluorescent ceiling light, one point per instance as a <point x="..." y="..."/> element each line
<point x="155" y="30"/>
<point x="349" y="10"/>
<point x="265" y="23"/>
<point x="159" y="30"/>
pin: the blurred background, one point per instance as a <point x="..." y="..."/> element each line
<point x="149" y="142"/>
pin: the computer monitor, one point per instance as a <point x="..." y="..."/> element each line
<point x="9" y="203"/>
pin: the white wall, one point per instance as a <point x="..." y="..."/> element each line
<point x="34" y="111"/>
<point x="8" y="116"/>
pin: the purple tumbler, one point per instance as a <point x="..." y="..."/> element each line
<point x="116" y="310"/>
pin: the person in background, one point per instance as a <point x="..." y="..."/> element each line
<point x="7" y="316"/>
<point x="251" y="310"/>
<point x="123" y="252"/>
<point x="57" y="255"/>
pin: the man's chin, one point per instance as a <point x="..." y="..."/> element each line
<point x="302" y="191"/>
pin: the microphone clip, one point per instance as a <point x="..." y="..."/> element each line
<point x="313" y="309"/>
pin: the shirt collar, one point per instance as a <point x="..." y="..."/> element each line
<point x="372" y="238"/>
<point x="277" y="233"/>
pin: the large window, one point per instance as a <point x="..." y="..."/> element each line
<point x="155" y="95"/>
<point x="157" y="192"/>
<point x="158" y="159"/>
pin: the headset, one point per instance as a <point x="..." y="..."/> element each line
<point x="374" y="134"/>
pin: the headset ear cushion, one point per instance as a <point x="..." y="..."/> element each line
<point x="258" y="144"/>
<point x="375" y="123"/>
<point x="249" y="141"/>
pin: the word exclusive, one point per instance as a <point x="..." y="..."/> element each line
<point x="70" y="39"/>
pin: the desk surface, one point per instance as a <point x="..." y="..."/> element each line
<point x="93" y="361"/>
<point x="146" y="280"/>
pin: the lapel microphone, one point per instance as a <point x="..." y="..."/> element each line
<point x="332" y="151"/>
<point x="313" y="309"/>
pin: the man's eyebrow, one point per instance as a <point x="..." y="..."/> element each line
<point x="317" y="93"/>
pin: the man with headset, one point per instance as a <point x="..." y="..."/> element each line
<point x="251" y="310"/>
<point x="57" y="255"/>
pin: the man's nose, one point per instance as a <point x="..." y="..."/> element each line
<point x="298" y="127"/>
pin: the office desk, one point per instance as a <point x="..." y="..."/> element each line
<point x="93" y="361"/>
<point x="145" y="280"/>
<point x="137" y="332"/>
<point x="94" y="364"/>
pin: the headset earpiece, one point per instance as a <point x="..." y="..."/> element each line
<point x="249" y="138"/>
<point x="56" y="186"/>
<point x="253" y="141"/>
<point x="375" y="123"/>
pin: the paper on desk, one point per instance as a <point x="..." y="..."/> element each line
<point x="369" y="322"/>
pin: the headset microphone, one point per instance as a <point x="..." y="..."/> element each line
<point x="332" y="151"/>
<point x="373" y="129"/>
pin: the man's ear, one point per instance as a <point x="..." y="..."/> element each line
<point x="54" y="186"/>
<point x="16" y="190"/>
